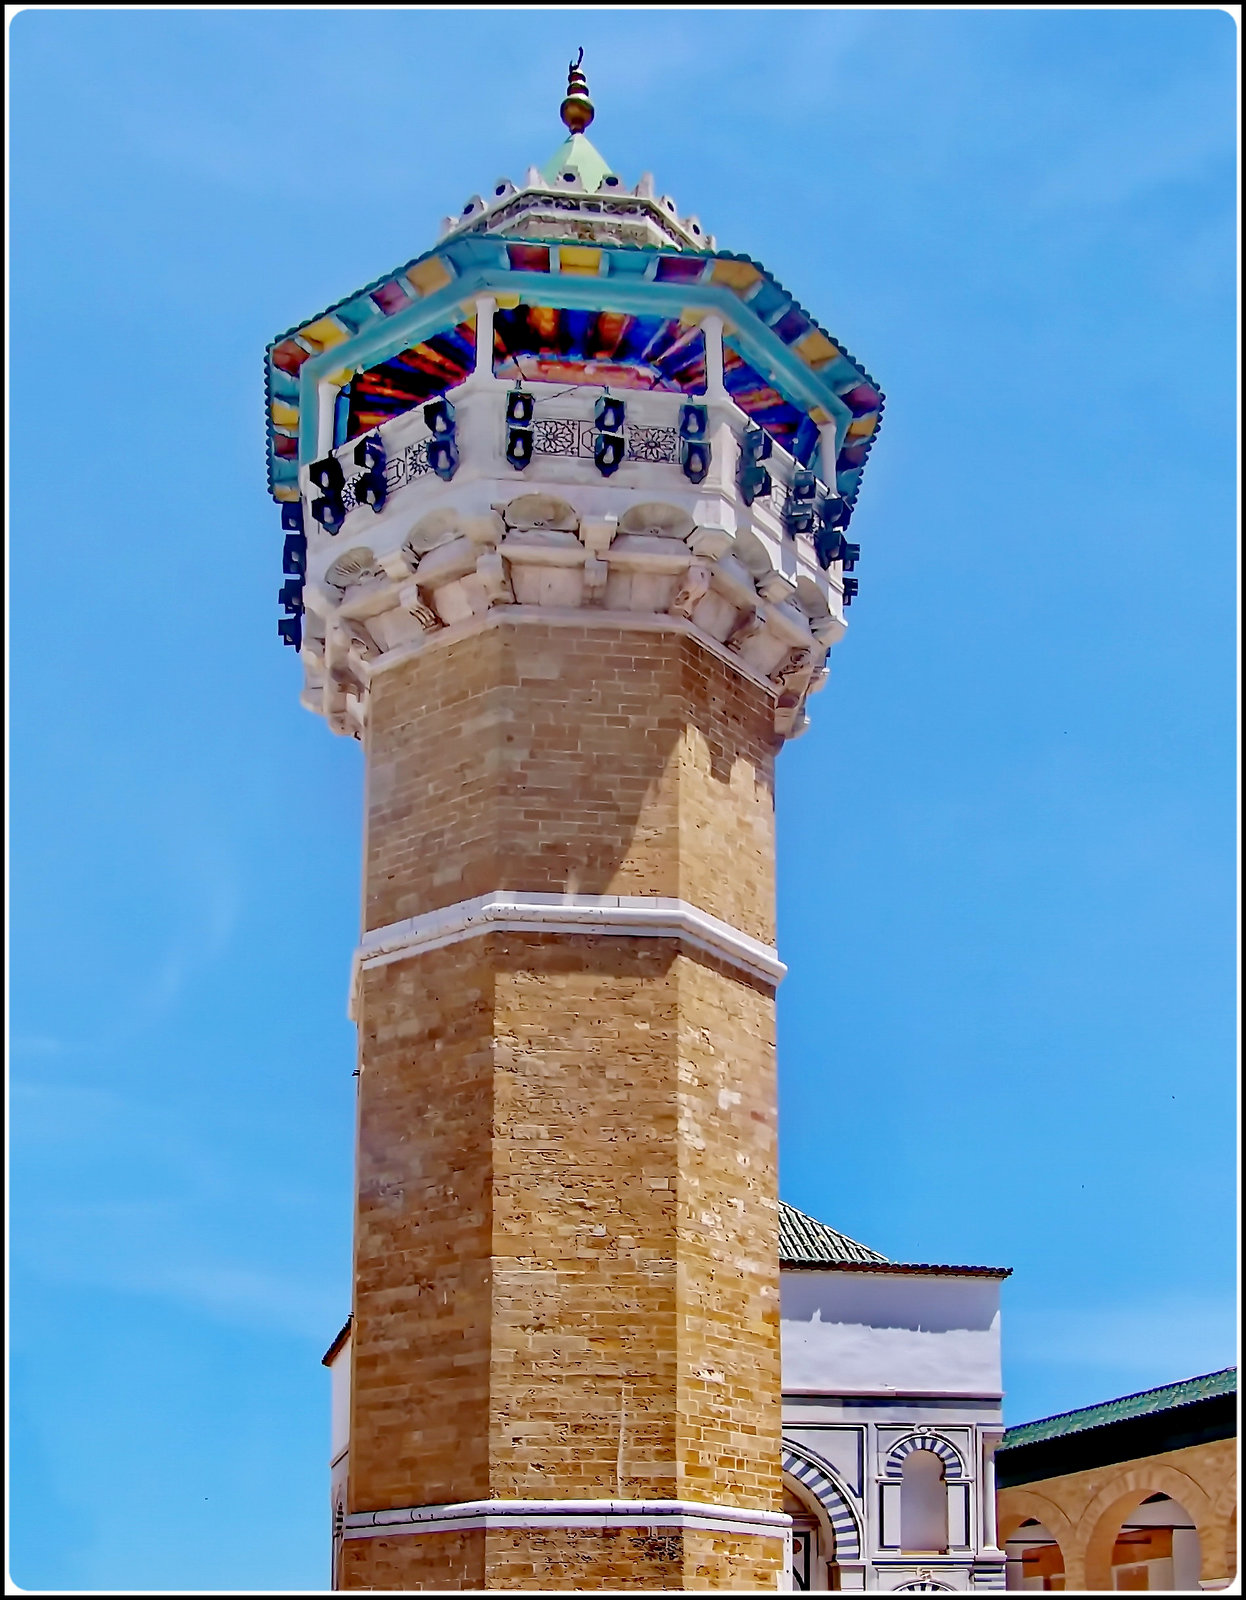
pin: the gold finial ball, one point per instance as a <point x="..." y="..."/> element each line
<point x="577" y="109"/>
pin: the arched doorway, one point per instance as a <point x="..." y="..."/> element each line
<point x="813" y="1540"/>
<point x="826" y="1534"/>
<point x="1033" y="1558"/>
<point x="1157" y="1547"/>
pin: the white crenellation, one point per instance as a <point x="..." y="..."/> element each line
<point x="566" y="209"/>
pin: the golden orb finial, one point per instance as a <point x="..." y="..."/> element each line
<point x="577" y="109"/>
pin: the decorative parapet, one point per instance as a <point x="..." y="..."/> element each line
<point x="643" y="548"/>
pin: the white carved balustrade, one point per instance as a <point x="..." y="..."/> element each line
<point x="562" y="538"/>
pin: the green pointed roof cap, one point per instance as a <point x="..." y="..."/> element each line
<point x="580" y="156"/>
<point x="577" y="155"/>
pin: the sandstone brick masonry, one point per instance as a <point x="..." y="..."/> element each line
<point x="620" y="1558"/>
<point x="588" y="760"/>
<point x="566" y="1254"/>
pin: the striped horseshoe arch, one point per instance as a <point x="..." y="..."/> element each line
<point x="833" y="1502"/>
<point x="953" y="1466"/>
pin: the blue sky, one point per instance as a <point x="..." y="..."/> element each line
<point x="1006" y="846"/>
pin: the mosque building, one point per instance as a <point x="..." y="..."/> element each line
<point x="1135" y="1493"/>
<point x="565" y="504"/>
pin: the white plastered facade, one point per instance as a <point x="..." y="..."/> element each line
<point x="878" y="1364"/>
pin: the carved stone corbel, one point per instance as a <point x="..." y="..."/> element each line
<point x="413" y="601"/>
<point x="694" y="588"/>
<point x="597" y="534"/>
<point x="777" y="588"/>
<point x="361" y="639"/>
<point x="747" y="625"/>
<point x="596" y="573"/>
<point x="494" y="580"/>
<point x="797" y="662"/>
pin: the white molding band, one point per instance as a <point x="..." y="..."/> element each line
<point x="567" y="1514"/>
<point x="507" y="911"/>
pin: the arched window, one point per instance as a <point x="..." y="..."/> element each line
<point x="923" y="1503"/>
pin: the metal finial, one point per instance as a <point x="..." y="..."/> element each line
<point x="577" y="109"/>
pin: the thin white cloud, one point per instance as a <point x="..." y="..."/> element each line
<point x="37" y="1044"/>
<point x="1153" y="1342"/>
<point x="153" y="1210"/>
<point x="1175" y="136"/>
<point x="201" y="885"/>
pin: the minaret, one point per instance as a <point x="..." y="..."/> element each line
<point x="564" y="503"/>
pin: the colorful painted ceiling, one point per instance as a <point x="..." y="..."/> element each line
<point x="427" y="369"/>
<point x="392" y="337"/>
<point x="547" y="344"/>
<point x="786" y="423"/>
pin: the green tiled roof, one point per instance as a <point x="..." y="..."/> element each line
<point x="1148" y="1403"/>
<point x="804" y="1239"/>
<point x="806" y="1242"/>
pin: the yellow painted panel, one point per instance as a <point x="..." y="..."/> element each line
<point x="285" y="415"/>
<point x="863" y="426"/>
<point x="819" y="416"/>
<point x="737" y="275"/>
<point x="286" y="491"/>
<point x="815" y="349"/>
<point x="324" y="333"/>
<point x="341" y="377"/>
<point x="428" y="276"/>
<point x="580" y="258"/>
<point x="506" y="302"/>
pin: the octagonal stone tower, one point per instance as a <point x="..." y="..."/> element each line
<point x="564" y="503"/>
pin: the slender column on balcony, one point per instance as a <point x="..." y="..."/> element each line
<point x="482" y="372"/>
<point x="828" y="450"/>
<point x="326" y="395"/>
<point x="715" y="388"/>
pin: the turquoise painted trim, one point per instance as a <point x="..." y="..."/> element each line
<point x="768" y="301"/>
<point x="628" y="263"/>
<point x="385" y="338"/>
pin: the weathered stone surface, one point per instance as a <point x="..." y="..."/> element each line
<point x="566" y="1274"/>
<point x="563" y="1559"/>
<point x="570" y="759"/>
